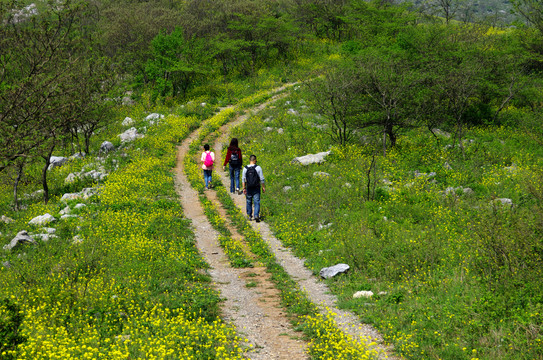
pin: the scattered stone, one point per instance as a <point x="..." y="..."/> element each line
<point x="71" y="178"/>
<point x="6" y="264"/>
<point x="325" y="226"/>
<point x="68" y="216"/>
<point x="363" y="293"/>
<point x="79" y="206"/>
<point x="348" y="185"/>
<point x="429" y="175"/>
<point x="305" y="185"/>
<point x="130" y="135"/>
<point x="203" y="104"/>
<point x="6" y="219"/>
<point x="128" y="121"/>
<point x="381" y="293"/>
<point x="83" y="195"/>
<point x="107" y="147"/>
<point x="66" y="210"/>
<point x="127" y="101"/>
<point x="386" y="182"/>
<point x="511" y="168"/>
<point x="320" y="174"/>
<point x="504" y="201"/>
<point x="332" y="271"/>
<point x="311" y="158"/>
<point x="154" y="116"/>
<point x="49" y="230"/>
<point x="468" y="191"/>
<point x="447" y="166"/>
<point x="25" y="13"/>
<point x="267" y="129"/>
<point x="287" y="188"/>
<point x="57" y="161"/>
<point x="42" y="219"/>
<point x="21" y="238"/>
<point x="280" y="130"/>
<point x="292" y="112"/>
<point x="78" y="155"/>
<point x="77" y="240"/>
<point x="441" y="133"/>
<point x="45" y="237"/>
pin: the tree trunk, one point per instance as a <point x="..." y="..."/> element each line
<point x="390" y="132"/>
<point x="44" y="175"/>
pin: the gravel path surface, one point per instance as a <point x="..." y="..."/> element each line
<point x="254" y="311"/>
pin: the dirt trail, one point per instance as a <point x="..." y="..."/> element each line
<point x="253" y="310"/>
<point x="316" y="290"/>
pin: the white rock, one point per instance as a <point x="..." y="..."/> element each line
<point x="6" y="219"/>
<point x="320" y="174"/>
<point x="153" y="117"/>
<point x="280" y="130"/>
<point x="21" y="238"/>
<point x="77" y="240"/>
<point x="66" y="210"/>
<point x="42" y="219"/>
<point x="49" y="230"/>
<point x="80" y="206"/>
<point x="504" y="201"/>
<point x="363" y="293"/>
<point x="128" y="121"/>
<point x="68" y="216"/>
<point x="287" y="188"/>
<point x="45" y="237"/>
<point x="332" y="271"/>
<point x="311" y="158"/>
<point x="107" y="146"/>
<point x="57" y="161"/>
<point x="292" y="112"/>
<point x="72" y="177"/>
<point x="130" y="135"/>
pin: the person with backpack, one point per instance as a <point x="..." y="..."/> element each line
<point x="207" y="159"/>
<point x="235" y="162"/>
<point x="253" y="181"/>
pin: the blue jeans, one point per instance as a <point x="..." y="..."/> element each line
<point x="234" y="178"/>
<point x="207" y="177"/>
<point x="253" y="197"/>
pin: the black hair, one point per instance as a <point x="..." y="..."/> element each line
<point x="206" y="147"/>
<point x="234" y="143"/>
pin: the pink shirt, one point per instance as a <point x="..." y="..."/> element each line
<point x="203" y="158"/>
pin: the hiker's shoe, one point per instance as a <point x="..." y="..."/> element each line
<point x="207" y="188"/>
<point x="257" y="219"/>
<point x="250" y="217"/>
<point x="238" y="191"/>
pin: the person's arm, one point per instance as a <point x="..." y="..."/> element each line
<point x="261" y="176"/>
<point x="244" y="180"/>
<point x="227" y="157"/>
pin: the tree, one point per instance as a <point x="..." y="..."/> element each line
<point x="388" y="84"/>
<point x="335" y="96"/>
<point x="44" y="56"/>
<point x="531" y="10"/>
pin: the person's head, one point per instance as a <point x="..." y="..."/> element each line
<point x="206" y="147"/>
<point x="252" y="159"/>
<point x="234" y="143"/>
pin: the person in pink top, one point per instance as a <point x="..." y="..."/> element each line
<point x="207" y="159"/>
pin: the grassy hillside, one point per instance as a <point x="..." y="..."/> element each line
<point x="449" y="245"/>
